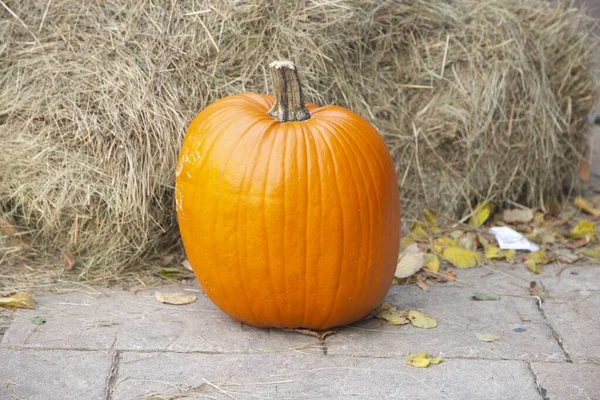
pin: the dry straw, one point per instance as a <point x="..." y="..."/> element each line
<point x="476" y="100"/>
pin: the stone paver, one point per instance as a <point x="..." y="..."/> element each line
<point x="298" y="376"/>
<point x="129" y="321"/>
<point x="196" y="351"/>
<point x="48" y="374"/>
<point x="459" y="318"/>
<point x="576" y="318"/>
<point x="568" y="381"/>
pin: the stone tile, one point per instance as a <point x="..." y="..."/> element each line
<point x="47" y="374"/>
<point x="459" y="318"/>
<point x="575" y="278"/>
<point x="298" y="376"/>
<point x="568" y="381"/>
<point x="576" y="318"/>
<point x="127" y="321"/>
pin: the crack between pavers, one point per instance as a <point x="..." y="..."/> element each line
<point x="317" y="346"/>
<point x="111" y="382"/>
<point x="555" y="334"/>
<point x="541" y="390"/>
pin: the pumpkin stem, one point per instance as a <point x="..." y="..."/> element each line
<point x="289" y="103"/>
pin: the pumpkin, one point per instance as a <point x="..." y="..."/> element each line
<point x="289" y="213"/>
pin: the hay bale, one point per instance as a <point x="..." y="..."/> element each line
<point x="476" y="100"/>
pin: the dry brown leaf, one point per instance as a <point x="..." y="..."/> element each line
<point x="186" y="264"/>
<point x="566" y="257"/>
<point x="420" y="281"/>
<point x="577" y="243"/>
<point x="584" y="170"/>
<point x="175" y="298"/>
<point x="518" y="215"/>
<point x="69" y="260"/>
<point x="409" y="262"/>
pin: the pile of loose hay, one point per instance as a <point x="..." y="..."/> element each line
<point x="475" y="99"/>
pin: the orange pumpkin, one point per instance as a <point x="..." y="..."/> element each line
<point x="289" y="214"/>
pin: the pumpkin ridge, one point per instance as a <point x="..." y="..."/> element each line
<point x="224" y="133"/>
<point x="243" y="186"/>
<point x="312" y="156"/>
<point x="340" y="270"/>
<point x="306" y="181"/>
<point x="342" y="146"/>
<point x="370" y="185"/>
<point x="266" y="236"/>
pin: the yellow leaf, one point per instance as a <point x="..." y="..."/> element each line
<point x="17" y="300"/>
<point x="539" y="219"/>
<point x="432" y="262"/>
<point x="422" y="360"/>
<point x="405" y="242"/>
<point x="391" y="314"/>
<point x="420" y="320"/>
<point x="586" y="206"/>
<point x="431" y="217"/>
<point x="418" y="231"/>
<point x="175" y="298"/>
<point x="461" y="258"/>
<point x="532" y="266"/>
<point x="487" y="337"/>
<point x="584" y="228"/>
<point x="435" y="360"/>
<point x="493" y="252"/>
<point x="481" y="213"/>
<point x="539" y="257"/>
<point x="410" y="262"/>
<point x="441" y="243"/>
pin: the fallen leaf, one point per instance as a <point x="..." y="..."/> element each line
<point x="591" y="252"/>
<point x="577" y="243"/>
<point x="584" y="228"/>
<point x="420" y="320"/>
<point x="175" y="298"/>
<point x="430" y="216"/>
<point x="392" y="314"/>
<point x="468" y="241"/>
<point x="541" y="236"/>
<point x="39" y="320"/>
<point x="405" y="242"/>
<point x="17" y="300"/>
<point x="456" y="234"/>
<point x="485" y="296"/>
<point x="432" y="262"/>
<point x="69" y="260"/>
<point x="410" y="262"/>
<point x="539" y="257"/>
<point x="493" y="252"/>
<point x="422" y="360"/>
<point x="587" y="206"/>
<point x="532" y="266"/>
<point x="487" y="337"/>
<point x="481" y="213"/>
<point x="461" y="258"/>
<point x="518" y="215"/>
<point x="186" y="264"/>
<point x="584" y="170"/>
<point x="420" y="281"/>
<point x="170" y="273"/>
<point x="566" y="257"/>
<point x="442" y="243"/>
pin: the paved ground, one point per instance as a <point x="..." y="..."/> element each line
<point x="114" y="344"/>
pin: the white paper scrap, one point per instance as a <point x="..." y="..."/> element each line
<point x="509" y="239"/>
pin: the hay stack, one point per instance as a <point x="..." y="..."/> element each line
<point x="475" y="99"/>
